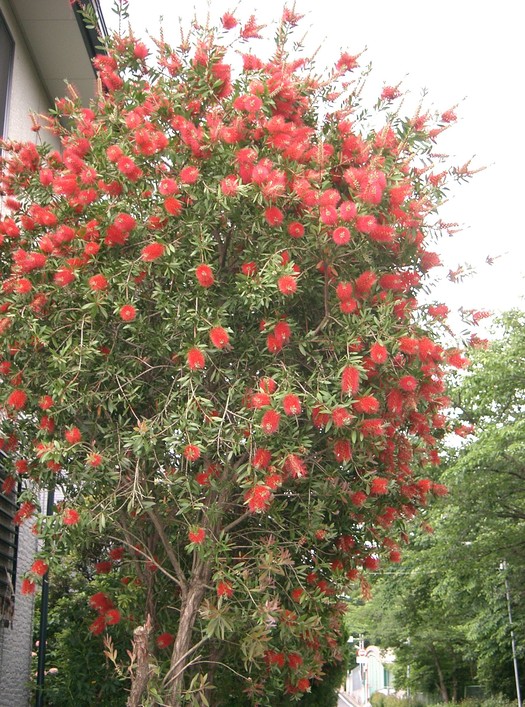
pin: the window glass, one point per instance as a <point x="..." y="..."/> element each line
<point x="6" y="59"/>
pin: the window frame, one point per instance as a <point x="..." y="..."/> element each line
<point x="6" y="72"/>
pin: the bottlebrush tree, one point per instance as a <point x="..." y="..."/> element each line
<point x="211" y="342"/>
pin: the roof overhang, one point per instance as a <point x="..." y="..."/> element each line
<point x="60" y="44"/>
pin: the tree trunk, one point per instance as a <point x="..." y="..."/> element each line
<point x="442" y="686"/>
<point x="181" y="655"/>
<point x="141" y="656"/>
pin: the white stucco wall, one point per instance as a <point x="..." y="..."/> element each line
<point x="27" y="93"/>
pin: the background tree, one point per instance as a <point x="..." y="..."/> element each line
<point x="212" y="344"/>
<point x="450" y="589"/>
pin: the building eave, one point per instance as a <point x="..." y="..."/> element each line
<point x="62" y="47"/>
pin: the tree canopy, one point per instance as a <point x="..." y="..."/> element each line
<point x="211" y="342"/>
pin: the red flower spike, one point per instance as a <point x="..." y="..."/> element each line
<point x="270" y="422"/>
<point x="128" y="313"/>
<point x="112" y="617"/>
<point x="27" y="587"/>
<point x="224" y="589"/>
<point x="287" y="284"/>
<point x="17" y="399"/>
<point x="192" y="452"/>
<point x="98" y="283"/>
<point x="73" y="435"/>
<point x="39" y="567"/>
<point x="219" y="337"/>
<point x="197" y="536"/>
<point x="70" y="516"/>
<point x="153" y="251"/>
<point x="378" y="353"/>
<point x="164" y="640"/>
<point x="195" y="359"/>
<point x="350" y="380"/>
<point x="291" y="404"/>
<point x="204" y="275"/>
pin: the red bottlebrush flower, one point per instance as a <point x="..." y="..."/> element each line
<point x="358" y="498"/>
<point x="258" y="498"/>
<point x="274" y="216"/>
<point x="347" y="211"/>
<point x="456" y="359"/>
<point x="21" y="466"/>
<point x="408" y="384"/>
<point x="128" y="313"/>
<point x="366" y="405"/>
<point x="224" y="589"/>
<point x="228" y="21"/>
<point x="70" y="516"/>
<point x="342" y="450"/>
<point x="97" y="626"/>
<point x="261" y="458"/>
<point x="152" y="252"/>
<point x="17" y="399"/>
<point x="394" y="402"/>
<point x="195" y="359"/>
<point x="28" y="586"/>
<point x="63" y="277"/>
<point x="328" y="215"/>
<point x="191" y="452"/>
<point x="112" y="617"/>
<point x="291" y="404"/>
<point x="346" y="62"/>
<point x="294" y="661"/>
<point x="379" y="486"/>
<point x="103" y="567"/>
<point x="268" y="385"/>
<point x="287" y="284"/>
<point x="101" y="602"/>
<point x="47" y="424"/>
<point x="373" y="427"/>
<point x="249" y="269"/>
<point x="94" y="459"/>
<point x="378" y="353"/>
<point x="168" y="186"/>
<point x="273" y="481"/>
<point x="197" y="536"/>
<point x="350" y="380"/>
<point x="365" y="282"/>
<point x="164" y="640"/>
<point x="73" y="435"/>
<point x="173" y="205"/>
<point x="204" y="275"/>
<point x="229" y="185"/>
<point x="39" y="567"/>
<point x="295" y="466"/>
<point x="260" y="400"/>
<point x="439" y="489"/>
<point x="409" y="346"/>
<point x="282" y="332"/>
<point x="116" y="553"/>
<point x="344" y="291"/>
<point x="297" y="593"/>
<point x="371" y="562"/>
<point x="341" y="235"/>
<point x="8" y="485"/>
<point x="270" y="422"/>
<point x="219" y="337"/>
<point x="341" y="416"/>
<point x="98" y="283"/>
<point x="296" y="229"/>
<point x="189" y="175"/>
<point x="394" y="556"/>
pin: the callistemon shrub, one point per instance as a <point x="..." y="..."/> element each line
<point x="211" y="343"/>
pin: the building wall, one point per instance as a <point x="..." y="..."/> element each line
<point x="27" y="93"/>
<point x="16" y="642"/>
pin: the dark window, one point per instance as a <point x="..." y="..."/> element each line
<point x="6" y="61"/>
<point x="8" y="542"/>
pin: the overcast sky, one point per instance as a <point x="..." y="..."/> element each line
<point x="466" y="52"/>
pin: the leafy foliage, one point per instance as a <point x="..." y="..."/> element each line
<point x="211" y="342"/>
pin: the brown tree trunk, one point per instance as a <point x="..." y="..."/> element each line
<point x="140" y="656"/>
<point x="181" y="654"/>
<point x="442" y="686"/>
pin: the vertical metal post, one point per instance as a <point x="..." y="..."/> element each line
<point x="42" y="634"/>
<point x="503" y="567"/>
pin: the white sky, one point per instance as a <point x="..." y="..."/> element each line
<point x="466" y="52"/>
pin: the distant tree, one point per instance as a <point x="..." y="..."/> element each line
<point x="211" y="342"/>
